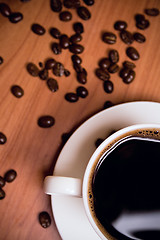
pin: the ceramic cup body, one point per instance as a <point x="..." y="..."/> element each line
<point x="83" y="187"/>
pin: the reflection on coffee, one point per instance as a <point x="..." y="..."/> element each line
<point x="124" y="196"/>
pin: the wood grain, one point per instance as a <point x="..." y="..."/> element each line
<point x="31" y="150"/>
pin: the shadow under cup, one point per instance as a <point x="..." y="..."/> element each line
<point x="123" y="195"/>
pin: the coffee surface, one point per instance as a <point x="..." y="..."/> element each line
<point x="126" y="196"/>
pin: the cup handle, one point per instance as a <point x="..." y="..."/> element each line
<point x="63" y="186"/>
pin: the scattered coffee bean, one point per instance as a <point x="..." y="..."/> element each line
<point x="77" y="67"/>
<point x="76" y="59"/>
<point x="25" y="0"/>
<point x="52" y="84"/>
<point x="40" y="64"/>
<point x="2" y="182"/>
<point x="132" y="53"/>
<point x="64" y="41"/>
<point x="98" y="142"/>
<point x="78" y="27"/>
<point x="120" y="25"/>
<point x="113" y="68"/>
<point x="58" y="69"/>
<point x="38" y="29"/>
<point x="1" y="60"/>
<point x="49" y="64"/>
<point x="32" y="69"/>
<point x="128" y="64"/>
<point x="65" y="16"/>
<point x="44" y="219"/>
<point x="139" y="37"/>
<point x="108" y="86"/>
<point x="143" y="26"/>
<point x="83" y="13"/>
<point x="124" y="72"/>
<point x="3" y="138"/>
<point x="76" y="38"/>
<point x="89" y="2"/>
<point x="152" y="11"/>
<point x="55" y="33"/>
<point x="66" y="72"/>
<point x="109" y="37"/>
<point x="56" y="48"/>
<point x="104" y="63"/>
<point x="56" y="5"/>
<point x="128" y="75"/>
<point x="114" y="56"/>
<point x="15" y="17"/>
<point x="43" y="74"/>
<point x="46" y="121"/>
<point x="71" y="3"/>
<point x="76" y="48"/>
<point x="126" y="37"/>
<point x="71" y="97"/>
<point x="140" y="18"/>
<point x="5" y="9"/>
<point x="102" y="74"/>
<point x="108" y="104"/>
<point x="85" y="72"/>
<point x="10" y="176"/>
<point x="2" y="194"/>
<point x="17" y="91"/>
<point x="82" y="92"/>
<point x="81" y="77"/>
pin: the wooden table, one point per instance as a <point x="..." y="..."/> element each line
<point x="32" y="151"/>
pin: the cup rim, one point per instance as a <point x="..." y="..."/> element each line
<point x="99" y="153"/>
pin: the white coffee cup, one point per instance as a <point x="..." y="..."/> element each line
<point x="61" y="185"/>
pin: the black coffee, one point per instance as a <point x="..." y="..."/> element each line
<point x="125" y="185"/>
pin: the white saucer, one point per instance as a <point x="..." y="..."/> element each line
<point x="69" y="214"/>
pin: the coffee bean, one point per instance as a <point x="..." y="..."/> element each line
<point x="139" y="37"/>
<point x="25" y="0"/>
<point x="108" y="86"/>
<point x="76" y="38"/>
<point x="108" y="104"/>
<point x="49" y="64"/>
<point x="71" y="97"/>
<point x="3" y="138"/>
<point x="98" y="142"/>
<point x="109" y="37"/>
<point x="130" y="76"/>
<point x="46" y="121"/>
<point x="76" y="59"/>
<point x="58" y="69"/>
<point x="64" y="41"/>
<point x="77" y="67"/>
<point x="44" y="219"/>
<point x="5" y="9"/>
<point x="128" y="64"/>
<point x="89" y="2"/>
<point x="120" y="25"/>
<point x="152" y="11"/>
<point x="10" y="176"/>
<point x="83" y="13"/>
<point x="52" y="84"/>
<point x="66" y="72"/>
<point x="113" y="68"/>
<point x="104" y="63"/>
<point x="132" y="53"/>
<point x="15" y="17"/>
<point x="143" y="26"/>
<point x="65" y="16"/>
<point x="126" y="37"/>
<point x="71" y="3"/>
<point x="2" y="194"/>
<point x="43" y="74"/>
<point x="102" y="74"/>
<point x="56" y="48"/>
<point x="82" y="92"/>
<point x="40" y="64"/>
<point x="85" y="72"/>
<point x="78" y="27"/>
<point x="32" y="69"/>
<point x="38" y="29"/>
<point x="114" y="56"/>
<point x="81" y="77"/>
<point x="124" y="72"/>
<point x="17" y="91"/>
<point x="2" y="182"/>
<point x="76" y="48"/>
<point x="55" y="33"/>
<point x="56" y="5"/>
<point x="1" y="60"/>
<point x="140" y="18"/>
